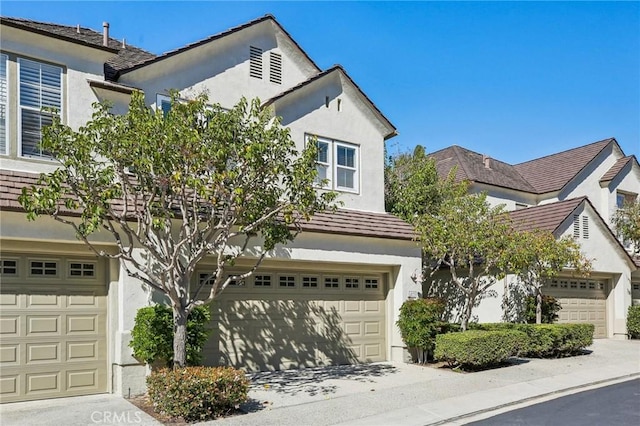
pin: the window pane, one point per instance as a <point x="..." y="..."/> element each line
<point x="323" y="152"/>
<point x="346" y="156"/>
<point x="322" y="173"/>
<point x="345" y="178"/>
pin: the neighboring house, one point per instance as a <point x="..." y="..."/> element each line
<point x="575" y="193"/>
<point x="332" y="296"/>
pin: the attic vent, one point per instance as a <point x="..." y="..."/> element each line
<point x="576" y="226"/>
<point x="275" y="68"/>
<point x="255" y="62"/>
<point x="585" y="227"/>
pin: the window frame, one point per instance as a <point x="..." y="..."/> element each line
<point x="19" y="64"/>
<point x="5" y="58"/>
<point x="332" y="166"/>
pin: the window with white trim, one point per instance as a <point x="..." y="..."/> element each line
<point x="9" y="267"/>
<point x="338" y="163"/>
<point x="163" y="102"/>
<point x="40" y="86"/>
<point x="4" y="109"/>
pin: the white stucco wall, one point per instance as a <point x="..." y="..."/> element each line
<point x="78" y="64"/>
<point x="221" y="68"/>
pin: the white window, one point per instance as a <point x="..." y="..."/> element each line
<point x="163" y="102"/>
<point x="3" y="104"/>
<point x="337" y="162"/>
<point x="40" y="86"/>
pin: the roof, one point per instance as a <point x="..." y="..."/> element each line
<point x="319" y="76"/>
<point x="554" y="172"/>
<point x="471" y="166"/>
<point x="206" y="40"/>
<point x="124" y="57"/>
<point x="547" y="217"/>
<point x="342" y="221"/>
<point x="617" y="168"/>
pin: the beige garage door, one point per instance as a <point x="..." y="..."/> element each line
<point x="53" y="327"/>
<point x="280" y="320"/>
<point x="582" y="301"/>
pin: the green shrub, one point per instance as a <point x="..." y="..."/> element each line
<point x="197" y="393"/>
<point x="547" y="340"/>
<point x="550" y="309"/>
<point x="476" y="348"/>
<point x="419" y="323"/>
<point x="152" y="334"/>
<point x="633" y="322"/>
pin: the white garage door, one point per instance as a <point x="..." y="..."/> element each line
<point x="53" y="327"/>
<point x="280" y="320"/>
<point x="582" y="301"/>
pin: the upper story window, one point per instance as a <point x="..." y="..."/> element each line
<point x="3" y="104"/>
<point x="337" y="162"/>
<point x="623" y="198"/>
<point x="40" y="86"/>
<point x="163" y="102"/>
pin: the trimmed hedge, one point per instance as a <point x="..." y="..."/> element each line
<point x="197" y="393"/>
<point x="547" y="340"/>
<point x="477" y="348"/>
<point x="633" y="322"/>
<point x="152" y="335"/>
<point x="419" y="323"/>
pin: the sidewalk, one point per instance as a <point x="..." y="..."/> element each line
<point x="372" y="394"/>
<point x="415" y="395"/>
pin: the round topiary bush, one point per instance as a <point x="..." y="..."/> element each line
<point x="633" y="322"/>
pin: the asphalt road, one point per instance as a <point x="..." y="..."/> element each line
<point x="617" y="404"/>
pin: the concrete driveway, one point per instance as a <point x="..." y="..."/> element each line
<point x="371" y="394"/>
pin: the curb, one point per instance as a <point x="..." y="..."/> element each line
<point x="530" y="399"/>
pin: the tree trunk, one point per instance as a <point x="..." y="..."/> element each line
<point x="179" y="337"/>
<point x="538" y="306"/>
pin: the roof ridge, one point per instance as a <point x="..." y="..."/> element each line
<point x="456" y="152"/>
<point x="608" y="140"/>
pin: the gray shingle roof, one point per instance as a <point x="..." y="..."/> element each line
<point x="471" y="166"/>
<point x="124" y="57"/>
<point x="553" y="172"/>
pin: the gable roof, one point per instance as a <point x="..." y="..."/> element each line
<point x="337" y="69"/>
<point x="342" y="221"/>
<point x="471" y="166"/>
<point x="214" y="37"/>
<point x="547" y="217"/>
<point x="124" y="57"/>
<point x="617" y="168"/>
<point x="553" y="172"/>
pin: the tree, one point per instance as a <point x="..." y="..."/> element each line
<point x="539" y="256"/>
<point x="171" y="189"/>
<point x="412" y="187"/>
<point x="470" y="239"/>
<point x="627" y="223"/>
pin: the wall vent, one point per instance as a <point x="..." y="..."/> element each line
<point x="576" y="226"/>
<point x="585" y="227"/>
<point x="255" y="62"/>
<point x="275" y="68"/>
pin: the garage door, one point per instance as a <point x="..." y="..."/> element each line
<point x="582" y="301"/>
<point x="280" y="320"/>
<point x="53" y="327"/>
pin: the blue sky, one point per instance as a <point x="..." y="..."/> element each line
<point x="514" y="80"/>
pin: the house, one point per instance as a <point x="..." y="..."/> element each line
<point x="332" y="296"/>
<point x="575" y="193"/>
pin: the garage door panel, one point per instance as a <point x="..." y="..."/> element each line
<point x="53" y="334"/>
<point x="291" y="326"/>
<point x="582" y="302"/>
